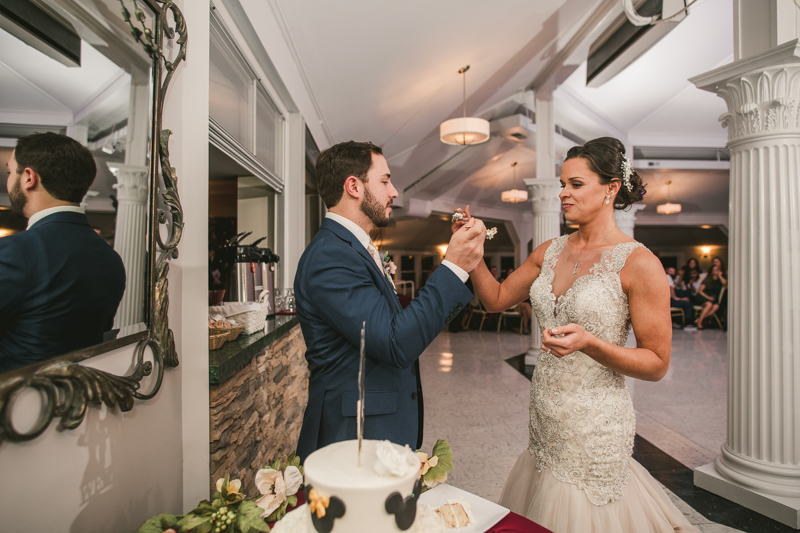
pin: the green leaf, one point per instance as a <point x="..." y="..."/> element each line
<point x="445" y="454"/>
<point x="203" y="508"/>
<point x="249" y="518"/>
<point x="204" y="528"/>
<point x="292" y="500"/>
<point x="158" y="523"/>
<point x="192" y="521"/>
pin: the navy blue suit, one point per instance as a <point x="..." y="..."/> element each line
<point x="60" y="285"/>
<point x="338" y="286"/>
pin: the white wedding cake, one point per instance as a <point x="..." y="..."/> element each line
<point x="380" y="496"/>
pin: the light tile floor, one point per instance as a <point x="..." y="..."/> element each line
<point x="479" y="404"/>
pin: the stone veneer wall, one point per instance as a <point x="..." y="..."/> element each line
<point x="256" y="414"/>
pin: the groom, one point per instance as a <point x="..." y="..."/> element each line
<point x="341" y="282"/>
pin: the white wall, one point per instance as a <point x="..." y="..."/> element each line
<point x="117" y="468"/>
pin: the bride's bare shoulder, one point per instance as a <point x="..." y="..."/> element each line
<point x="643" y="264"/>
<point x="537" y="257"/>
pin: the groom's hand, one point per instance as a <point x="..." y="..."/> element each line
<point x="466" y="245"/>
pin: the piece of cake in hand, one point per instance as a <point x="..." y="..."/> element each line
<point x="456" y="513"/>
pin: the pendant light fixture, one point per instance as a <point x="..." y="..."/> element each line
<point x="514" y="195"/>
<point x="668" y="208"/>
<point x="464" y="130"/>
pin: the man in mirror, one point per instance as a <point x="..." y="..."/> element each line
<point x="60" y="282"/>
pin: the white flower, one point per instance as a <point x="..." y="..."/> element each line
<point x="390" y="268"/>
<point x="393" y="461"/>
<point x="234" y="485"/>
<point x="293" y="479"/>
<point x="271" y="484"/>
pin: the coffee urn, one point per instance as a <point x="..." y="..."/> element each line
<point x="250" y="271"/>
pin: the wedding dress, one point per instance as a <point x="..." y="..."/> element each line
<point x="577" y="475"/>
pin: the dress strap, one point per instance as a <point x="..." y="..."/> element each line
<point x="552" y="253"/>
<point x="621" y="253"/>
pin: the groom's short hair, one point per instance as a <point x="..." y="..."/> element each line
<point x="338" y="163"/>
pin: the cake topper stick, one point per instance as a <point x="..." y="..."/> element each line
<point x="361" y="391"/>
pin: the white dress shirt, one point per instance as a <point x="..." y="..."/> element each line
<point x="363" y="238"/>
<point x="36" y="217"/>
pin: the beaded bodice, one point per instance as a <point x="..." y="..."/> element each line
<point x="582" y="423"/>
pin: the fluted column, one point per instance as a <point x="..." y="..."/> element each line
<point x="760" y="462"/>
<point x="626" y="218"/>
<point x="546" y="208"/>
<point x="129" y="240"/>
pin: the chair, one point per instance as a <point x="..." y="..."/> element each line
<point x="481" y="311"/>
<point x="677" y="311"/>
<point x="510" y="313"/>
<point x="699" y="308"/>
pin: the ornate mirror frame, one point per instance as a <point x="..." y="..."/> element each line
<point x="68" y="388"/>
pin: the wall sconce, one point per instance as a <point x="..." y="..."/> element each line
<point x="706" y="250"/>
<point x="442" y="249"/>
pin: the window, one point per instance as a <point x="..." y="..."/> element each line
<point x="245" y="122"/>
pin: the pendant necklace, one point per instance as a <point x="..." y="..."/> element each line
<point x="587" y="250"/>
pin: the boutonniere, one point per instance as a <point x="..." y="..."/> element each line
<point x="389" y="268"/>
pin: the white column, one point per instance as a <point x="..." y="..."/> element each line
<point x="546" y="225"/>
<point x="292" y="238"/>
<point x="544" y="191"/>
<point x="626" y="218"/>
<point x="130" y="240"/>
<point x="759" y="467"/>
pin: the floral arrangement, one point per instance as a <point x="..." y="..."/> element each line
<point x="231" y="511"/>
<point x="434" y="469"/>
<point x="278" y="483"/>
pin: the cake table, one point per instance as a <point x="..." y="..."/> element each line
<point x="512" y="523"/>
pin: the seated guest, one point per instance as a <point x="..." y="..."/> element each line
<point x="60" y="281"/>
<point x="693" y="264"/>
<point x="681" y="302"/>
<point x="689" y="286"/>
<point x="711" y="290"/>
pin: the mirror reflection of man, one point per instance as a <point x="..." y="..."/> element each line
<point x="60" y="282"/>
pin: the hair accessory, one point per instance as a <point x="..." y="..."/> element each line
<point x="627" y="170"/>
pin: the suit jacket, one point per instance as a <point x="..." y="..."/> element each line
<point x="338" y="287"/>
<point x="60" y="285"/>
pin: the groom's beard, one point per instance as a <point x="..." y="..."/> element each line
<point x="17" y="198"/>
<point x="374" y="210"/>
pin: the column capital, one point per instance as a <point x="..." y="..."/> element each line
<point x="131" y="182"/>
<point x="627" y="215"/>
<point x="544" y="195"/>
<point x="762" y="93"/>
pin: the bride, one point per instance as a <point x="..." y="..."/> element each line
<point x="587" y="289"/>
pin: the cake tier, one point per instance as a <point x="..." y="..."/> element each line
<point x="333" y="471"/>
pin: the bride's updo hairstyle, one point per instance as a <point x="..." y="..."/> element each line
<point x="606" y="158"/>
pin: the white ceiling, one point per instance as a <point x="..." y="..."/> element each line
<point x="387" y="73"/>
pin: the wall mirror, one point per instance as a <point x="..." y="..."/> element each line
<point x="97" y="71"/>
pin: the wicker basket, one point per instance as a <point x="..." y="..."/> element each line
<point x="254" y="321"/>
<point x="234" y="332"/>
<point x="215" y="341"/>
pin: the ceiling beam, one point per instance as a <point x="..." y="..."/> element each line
<point x="551" y="76"/>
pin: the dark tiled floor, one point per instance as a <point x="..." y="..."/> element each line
<point x="680" y="480"/>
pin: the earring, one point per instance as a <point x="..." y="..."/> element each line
<point x="608" y="198"/>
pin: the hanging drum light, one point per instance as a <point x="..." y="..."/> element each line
<point x="464" y="130"/>
<point x="514" y="195"/>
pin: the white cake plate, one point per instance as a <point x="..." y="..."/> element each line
<point x="486" y="513"/>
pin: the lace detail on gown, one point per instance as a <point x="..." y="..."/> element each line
<point x="582" y="423"/>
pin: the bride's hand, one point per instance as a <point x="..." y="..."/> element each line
<point x="563" y="340"/>
<point x="458" y="223"/>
